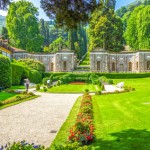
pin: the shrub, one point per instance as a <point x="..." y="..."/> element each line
<point x="5" y="72"/>
<point x="33" y="64"/>
<point x="1" y="103"/>
<point x="98" y="93"/>
<point x="110" y="81"/>
<point x="38" y="86"/>
<point x="35" y="76"/>
<point x="17" y="73"/>
<point x="102" y="79"/>
<point x="31" y="93"/>
<point x="58" y="83"/>
<point x="87" y="91"/>
<point x="45" y="89"/>
<point x="103" y="87"/>
<point x="45" y="80"/>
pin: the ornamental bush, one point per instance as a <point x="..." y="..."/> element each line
<point x="5" y="72"/>
<point x="35" y="76"/>
<point x="17" y="72"/>
<point x="33" y="64"/>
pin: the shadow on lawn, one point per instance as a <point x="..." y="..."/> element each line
<point x="125" y="140"/>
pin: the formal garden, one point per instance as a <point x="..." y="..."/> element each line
<point x="98" y="120"/>
<point x="71" y="102"/>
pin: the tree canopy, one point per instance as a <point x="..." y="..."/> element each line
<point x="23" y="27"/>
<point x="137" y="34"/>
<point x="106" y="30"/>
<point x="4" y="4"/>
<point x="70" y="13"/>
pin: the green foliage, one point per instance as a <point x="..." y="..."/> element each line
<point x="98" y="93"/>
<point x="44" y="31"/>
<point x="4" y="32"/>
<point x="120" y="12"/>
<point x="32" y="64"/>
<point x="38" y="87"/>
<point x="57" y="44"/>
<point x="58" y="83"/>
<point x="17" y="72"/>
<point x="110" y="81"/>
<point x="22" y="26"/>
<point x="45" y="80"/>
<point x="23" y="146"/>
<point x="137" y="34"/>
<point x="45" y="89"/>
<point x="35" y="76"/>
<point x="5" y="72"/>
<point x="106" y="30"/>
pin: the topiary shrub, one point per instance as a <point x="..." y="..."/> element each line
<point x="45" y="89"/>
<point x="5" y="72"/>
<point x="38" y="87"/>
<point x="98" y="93"/>
<point x="17" y="73"/>
<point x="110" y="81"/>
<point x="58" y="83"/>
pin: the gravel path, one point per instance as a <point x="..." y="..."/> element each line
<point x="35" y="120"/>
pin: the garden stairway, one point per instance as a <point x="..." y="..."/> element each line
<point x="84" y="64"/>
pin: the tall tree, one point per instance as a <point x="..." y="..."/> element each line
<point x="137" y="34"/>
<point x="22" y="25"/>
<point x="5" y="32"/>
<point x="106" y="30"/>
<point x="69" y="13"/>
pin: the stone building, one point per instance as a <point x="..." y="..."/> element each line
<point x="62" y="61"/>
<point x="103" y="61"/>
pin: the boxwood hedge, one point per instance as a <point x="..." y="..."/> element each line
<point x="5" y="72"/>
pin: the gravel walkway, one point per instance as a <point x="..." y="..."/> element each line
<point x="36" y="120"/>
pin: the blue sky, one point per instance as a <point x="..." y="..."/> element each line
<point x="36" y="3"/>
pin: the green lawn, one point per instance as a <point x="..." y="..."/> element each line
<point x="69" y="88"/>
<point x="17" y="87"/>
<point x="122" y="121"/>
<point x="5" y="95"/>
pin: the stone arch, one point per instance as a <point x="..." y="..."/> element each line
<point x="52" y="66"/>
<point x="98" y="65"/>
<point x="148" y="65"/>
<point x="113" y="66"/>
<point x="130" y="66"/>
<point x="64" y="65"/>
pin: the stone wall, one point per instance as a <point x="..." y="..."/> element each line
<point x="120" y="62"/>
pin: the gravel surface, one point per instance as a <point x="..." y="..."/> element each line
<point x="37" y="120"/>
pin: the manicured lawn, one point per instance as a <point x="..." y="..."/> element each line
<point x="5" y="95"/>
<point x="17" y="87"/>
<point x="122" y="121"/>
<point x="68" y="88"/>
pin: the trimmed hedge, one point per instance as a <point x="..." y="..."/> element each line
<point x="5" y="72"/>
<point x="35" y="76"/>
<point x="17" y="72"/>
<point x="107" y="75"/>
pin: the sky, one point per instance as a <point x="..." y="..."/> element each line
<point x="36" y="3"/>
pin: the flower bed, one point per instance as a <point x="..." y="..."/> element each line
<point x="77" y="83"/>
<point x="82" y="131"/>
